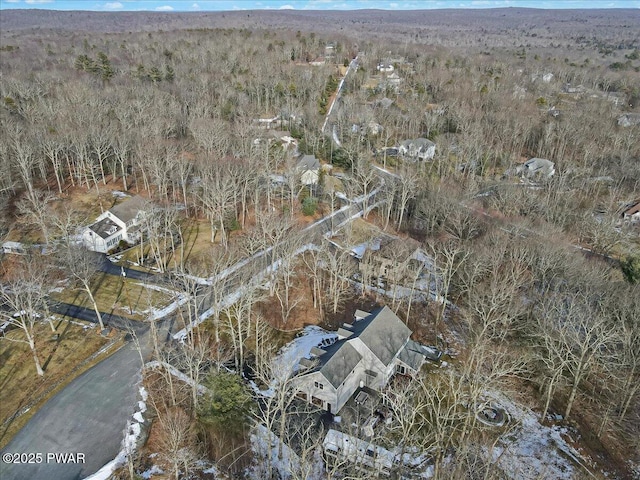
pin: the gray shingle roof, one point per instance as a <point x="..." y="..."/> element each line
<point x="340" y="363"/>
<point x="539" y="165"/>
<point x="308" y="162"/>
<point x="411" y="355"/>
<point x="128" y="209"/>
<point x="105" y="228"/>
<point x="383" y="333"/>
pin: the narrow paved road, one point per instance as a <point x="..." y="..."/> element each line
<point x="89" y="315"/>
<point x="111" y="268"/>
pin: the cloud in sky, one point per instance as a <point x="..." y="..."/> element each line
<point x="12" y="1"/>
<point x="37" y="2"/>
<point x="113" y="5"/>
<point x="164" y="8"/>
<point x="195" y="6"/>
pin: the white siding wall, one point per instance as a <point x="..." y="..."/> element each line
<point x="327" y="394"/>
<point x="351" y="384"/>
<point x="310" y="177"/>
<point x="369" y="362"/>
<point x="94" y="241"/>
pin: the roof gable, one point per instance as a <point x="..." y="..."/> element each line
<point x="340" y="363"/>
<point x="384" y="334"/>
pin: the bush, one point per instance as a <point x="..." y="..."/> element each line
<point x="309" y="206"/>
<point x="631" y="269"/>
<point x="229" y="404"/>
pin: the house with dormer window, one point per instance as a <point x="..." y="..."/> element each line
<point x="366" y="353"/>
<point x="114" y="225"/>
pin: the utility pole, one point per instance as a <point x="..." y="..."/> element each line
<point x="126" y="290"/>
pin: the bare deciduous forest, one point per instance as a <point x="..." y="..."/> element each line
<point x="502" y="145"/>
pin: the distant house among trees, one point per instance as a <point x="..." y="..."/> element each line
<point x="537" y="168"/>
<point x="385" y="67"/>
<point x="392" y="261"/>
<point x="367" y="353"/>
<point x="418" y="149"/>
<point x="308" y="167"/>
<point x="629" y="119"/>
<point x="114" y="225"/>
<point x="632" y="213"/>
<point x="15" y="248"/>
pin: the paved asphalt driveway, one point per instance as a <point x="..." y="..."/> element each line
<point x="84" y="417"/>
<point x="112" y="269"/>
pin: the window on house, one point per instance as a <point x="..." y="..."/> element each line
<point x="318" y="385"/>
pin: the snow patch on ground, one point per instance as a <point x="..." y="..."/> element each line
<point x="533" y="450"/>
<point x="286" y="362"/>
<point x="176" y="373"/>
<point x="266" y="446"/>
<point x="152" y="471"/>
<point x="155" y="313"/>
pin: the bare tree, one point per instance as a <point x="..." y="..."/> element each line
<point x="178" y="441"/>
<point x="339" y="267"/>
<point x="579" y="334"/>
<point x="217" y="195"/>
<point x="82" y="265"/>
<point x="35" y="210"/>
<point x="25" y="300"/>
<point x="406" y="187"/>
<point x="448" y="258"/>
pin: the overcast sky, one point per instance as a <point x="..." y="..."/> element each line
<point x="218" y="5"/>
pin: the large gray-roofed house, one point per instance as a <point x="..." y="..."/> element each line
<point x="417" y="149"/>
<point x="384" y="334"/>
<point x="367" y="353"/>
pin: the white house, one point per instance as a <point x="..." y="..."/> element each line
<point x="308" y="167"/>
<point x="15" y="248"/>
<point x="366" y="353"/>
<point x="537" y="167"/>
<point x="632" y="213"/>
<point x="418" y="149"/>
<point x="385" y="68"/>
<point x="114" y="225"/>
<point x="629" y="119"/>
